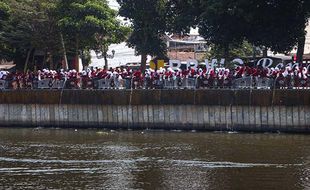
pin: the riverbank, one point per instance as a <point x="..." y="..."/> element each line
<point x="210" y="110"/>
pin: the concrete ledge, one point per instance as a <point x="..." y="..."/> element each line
<point x="181" y="117"/>
<point x="159" y="97"/>
<point x="210" y="110"/>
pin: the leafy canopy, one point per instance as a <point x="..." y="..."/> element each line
<point x="149" y="24"/>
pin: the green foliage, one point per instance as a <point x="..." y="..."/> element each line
<point x="4" y="11"/>
<point x="245" y="49"/>
<point x="85" y="57"/>
<point x="117" y="34"/>
<point x="149" y="24"/>
<point x="4" y="15"/>
<point x="53" y="27"/>
<point x="90" y="24"/>
<point x="30" y="26"/>
<point x="84" y="16"/>
<point x="222" y="22"/>
<point x="273" y="24"/>
<point x="182" y="14"/>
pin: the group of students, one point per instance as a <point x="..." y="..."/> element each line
<point x="221" y="77"/>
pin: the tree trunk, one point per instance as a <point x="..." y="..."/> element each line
<point x="226" y="52"/>
<point x="265" y="52"/>
<point x="44" y="61"/>
<point x="143" y="62"/>
<point x="301" y="49"/>
<point x="83" y="59"/>
<point x="77" y="64"/>
<point x="51" y="62"/>
<point x="106" y="66"/>
<point x="33" y="61"/>
<point x="66" y="67"/>
<point x="27" y="60"/>
<point x="105" y="56"/>
<point x="254" y="51"/>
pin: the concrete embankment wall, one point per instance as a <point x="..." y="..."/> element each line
<point x="242" y="110"/>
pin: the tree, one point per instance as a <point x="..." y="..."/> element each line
<point x="222" y="22"/>
<point x="182" y="14"/>
<point x="273" y="24"/>
<point x="116" y="35"/>
<point x="29" y="28"/>
<point x="55" y="28"/>
<point x="243" y="50"/>
<point x="81" y="20"/>
<point x="149" y="24"/>
<point x="4" y="11"/>
<point x="303" y="14"/>
<point x="276" y="25"/>
<point x="4" y="15"/>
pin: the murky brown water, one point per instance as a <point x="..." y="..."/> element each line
<point x="93" y="159"/>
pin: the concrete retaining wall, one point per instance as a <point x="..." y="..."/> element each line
<point x="191" y="110"/>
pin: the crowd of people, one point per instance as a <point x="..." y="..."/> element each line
<point x="205" y="78"/>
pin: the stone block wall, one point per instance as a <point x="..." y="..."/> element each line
<point x="213" y="110"/>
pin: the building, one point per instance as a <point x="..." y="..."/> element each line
<point x="186" y="47"/>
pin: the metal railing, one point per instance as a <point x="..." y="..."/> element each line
<point x="172" y="83"/>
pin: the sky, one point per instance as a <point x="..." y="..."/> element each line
<point x="113" y="4"/>
<point x="123" y="54"/>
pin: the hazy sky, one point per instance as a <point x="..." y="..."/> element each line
<point x="113" y="4"/>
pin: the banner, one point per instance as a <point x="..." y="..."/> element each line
<point x="214" y="63"/>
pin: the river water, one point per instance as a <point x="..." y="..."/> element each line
<point x="95" y="159"/>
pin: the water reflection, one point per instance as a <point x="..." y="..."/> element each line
<point x="92" y="159"/>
